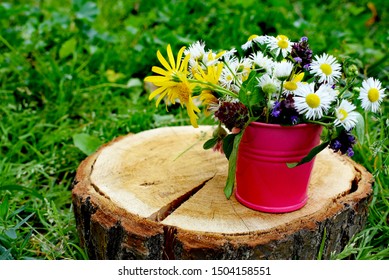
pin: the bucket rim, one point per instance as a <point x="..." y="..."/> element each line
<point x="272" y="125"/>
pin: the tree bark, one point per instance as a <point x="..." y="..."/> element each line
<point x="159" y="195"/>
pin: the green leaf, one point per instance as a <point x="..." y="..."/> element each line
<point x="310" y="155"/>
<point x="228" y="143"/>
<point x="26" y="239"/>
<point x="248" y="93"/>
<point x="5" y="254"/>
<point x="210" y="143"/>
<point x="323" y="242"/>
<point x="87" y="11"/>
<point x="88" y="144"/>
<point x="229" y="187"/>
<point x="4" y="208"/>
<point x="22" y="222"/>
<point x="360" y="128"/>
<point x="68" y="48"/>
<point x="11" y="233"/>
<point x="26" y="190"/>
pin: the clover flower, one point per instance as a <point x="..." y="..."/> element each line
<point x="232" y="114"/>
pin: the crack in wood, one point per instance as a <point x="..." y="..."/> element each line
<point x="237" y="214"/>
<point x="355" y="181"/>
<point x="95" y="187"/>
<point x="168" y="209"/>
<point x="169" y="242"/>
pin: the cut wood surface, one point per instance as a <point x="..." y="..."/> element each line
<point x="159" y="195"/>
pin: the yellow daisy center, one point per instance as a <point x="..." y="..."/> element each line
<point x="252" y="37"/>
<point x="183" y="92"/>
<point x="326" y="68"/>
<point x="282" y="41"/>
<point x="289" y="85"/>
<point x="313" y="100"/>
<point x="373" y="94"/>
<point x="342" y="114"/>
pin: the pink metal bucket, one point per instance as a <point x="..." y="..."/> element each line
<point x="263" y="180"/>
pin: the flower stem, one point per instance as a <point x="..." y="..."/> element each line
<point x="320" y="123"/>
<point x="348" y="85"/>
<point x="215" y="88"/>
<point x="281" y="89"/>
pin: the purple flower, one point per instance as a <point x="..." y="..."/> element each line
<point x="301" y="53"/>
<point x="298" y="59"/>
<point x="343" y="143"/>
<point x="276" y="110"/>
<point x="304" y="39"/>
<point x="284" y="112"/>
<point x="294" y="119"/>
<point x="232" y="114"/>
<point x="336" y="145"/>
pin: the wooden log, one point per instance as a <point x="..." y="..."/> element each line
<point x="159" y="195"/>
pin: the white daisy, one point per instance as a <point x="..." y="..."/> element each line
<point x="253" y="39"/>
<point x="268" y="84"/>
<point x="261" y="61"/>
<point x="371" y="94"/>
<point x="243" y="67"/>
<point x="227" y="54"/>
<point x="330" y="89"/>
<point x="280" y="44"/>
<point x="312" y="104"/>
<point x="211" y="58"/>
<point x="326" y="68"/>
<point x="345" y="115"/>
<point x="196" y="50"/>
<point x="228" y="75"/>
<point x="261" y="39"/>
<point x="282" y="70"/>
<point x="249" y="42"/>
<point x="235" y="72"/>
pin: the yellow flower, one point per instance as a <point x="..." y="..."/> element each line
<point x="173" y="84"/>
<point x="183" y="91"/>
<point x="211" y="77"/>
<point x="292" y="85"/>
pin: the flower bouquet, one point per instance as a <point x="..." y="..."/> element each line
<point x="274" y="81"/>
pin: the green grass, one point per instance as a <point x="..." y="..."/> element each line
<point x="71" y="79"/>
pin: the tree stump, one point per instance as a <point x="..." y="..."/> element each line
<point x="159" y="195"/>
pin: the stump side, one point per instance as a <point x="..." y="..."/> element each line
<point x="108" y="231"/>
